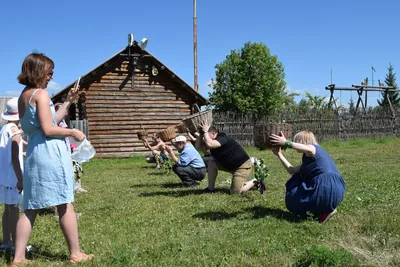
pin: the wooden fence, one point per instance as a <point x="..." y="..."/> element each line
<point x="326" y="124"/>
<point x="81" y="125"/>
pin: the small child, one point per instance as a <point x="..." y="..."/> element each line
<point x="158" y="150"/>
<point x="78" y="171"/>
<point x="11" y="166"/>
<point x="70" y="146"/>
<point x="77" y="174"/>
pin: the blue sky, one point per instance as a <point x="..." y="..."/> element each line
<point x="309" y="37"/>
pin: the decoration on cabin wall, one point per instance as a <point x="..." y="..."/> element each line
<point x="143" y="43"/>
<point x="154" y="71"/>
<point x="130" y="39"/>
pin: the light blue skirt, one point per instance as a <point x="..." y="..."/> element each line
<point x="48" y="173"/>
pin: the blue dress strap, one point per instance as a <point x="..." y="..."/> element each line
<point x="34" y="92"/>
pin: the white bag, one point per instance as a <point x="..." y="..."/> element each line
<point x="84" y="152"/>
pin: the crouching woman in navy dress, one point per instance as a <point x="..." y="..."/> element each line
<point x="316" y="186"/>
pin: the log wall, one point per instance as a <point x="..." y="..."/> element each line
<point x="115" y="111"/>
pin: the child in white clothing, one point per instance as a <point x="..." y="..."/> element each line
<point x="11" y="166"/>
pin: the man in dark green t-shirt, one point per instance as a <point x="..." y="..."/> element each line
<point x="227" y="155"/>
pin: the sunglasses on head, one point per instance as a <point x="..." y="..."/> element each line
<point x="51" y="73"/>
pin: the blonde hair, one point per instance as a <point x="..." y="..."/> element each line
<point x="305" y="137"/>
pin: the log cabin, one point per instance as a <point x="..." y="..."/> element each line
<point x="129" y="91"/>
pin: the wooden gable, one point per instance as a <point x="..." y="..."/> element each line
<point x="115" y="111"/>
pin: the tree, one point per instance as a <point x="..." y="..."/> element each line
<point x="390" y="80"/>
<point x="303" y="106"/>
<point x="250" y="81"/>
<point x="316" y="102"/>
<point x="352" y="107"/>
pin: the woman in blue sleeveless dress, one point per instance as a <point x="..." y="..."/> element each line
<point x="48" y="174"/>
<point x="316" y="186"/>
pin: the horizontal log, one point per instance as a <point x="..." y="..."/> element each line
<point x="136" y="109"/>
<point x="137" y="82"/>
<point x="126" y="127"/>
<point x="114" y="131"/>
<point x="139" y="77"/>
<point x="120" y="149"/>
<point x="127" y="79"/>
<point x="113" y="140"/>
<point x="138" y="88"/>
<point x="137" y="85"/>
<point x="147" y="119"/>
<point x="130" y="97"/>
<point x="128" y="93"/>
<point x="138" y="105"/>
<point x="134" y="102"/>
<point x="118" y="137"/>
<point x="118" y="145"/>
<point x="135" y="122"/>
<point x="149" y="95"/>
<point x="117" y="155"/>
<point x="148" y="113"/>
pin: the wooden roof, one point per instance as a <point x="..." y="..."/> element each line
<point x="89" y="76"/>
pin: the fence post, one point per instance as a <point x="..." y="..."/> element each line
<point x="81" y="125"/>
<point x="341" y="135"/>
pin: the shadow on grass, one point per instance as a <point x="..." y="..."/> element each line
<point x="46" y="211"/>
<point x="257" y="211"/>
<point x="165" y="185"/>
<point x="157" y="173"/>
<point x="215" y="215"/>
<point x="6" y="255"/>
<point x="172" y="185"/>
<point x="148" y="167"/>
<point x="261" y="212"/>
<point x="38" y="253"/>
<point x="182" y="193"/>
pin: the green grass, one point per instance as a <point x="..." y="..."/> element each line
<point x="135" y="215"/>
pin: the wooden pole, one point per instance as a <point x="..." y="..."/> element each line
<point x="195" y="45"/>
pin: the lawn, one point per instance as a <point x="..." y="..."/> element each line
<point x="135" y="215"/>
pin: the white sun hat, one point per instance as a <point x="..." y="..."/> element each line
<point x="179" y="138"/>
<point x="11" y="113"/>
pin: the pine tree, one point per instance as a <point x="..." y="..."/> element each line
<point x="352" y="107"/>
<point x="390" y="80"/>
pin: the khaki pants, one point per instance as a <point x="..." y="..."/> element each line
<point x="239" y="176"/>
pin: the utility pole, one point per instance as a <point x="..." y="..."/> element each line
<point x="195" y="45"/>
<point x="372" y="70"/>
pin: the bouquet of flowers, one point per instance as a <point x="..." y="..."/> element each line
<point x="261" y="171"/>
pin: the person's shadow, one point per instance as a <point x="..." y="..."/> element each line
<point x="37" y="253"/>
<point x="164" y="185"/>
<point x="258" y="212"/>
<point x="216" y="215"/>
<point x="182" y="193"/>
<point x="261" y="212"/>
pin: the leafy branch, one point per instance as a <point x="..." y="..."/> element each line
<point x="167" y="166"/>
